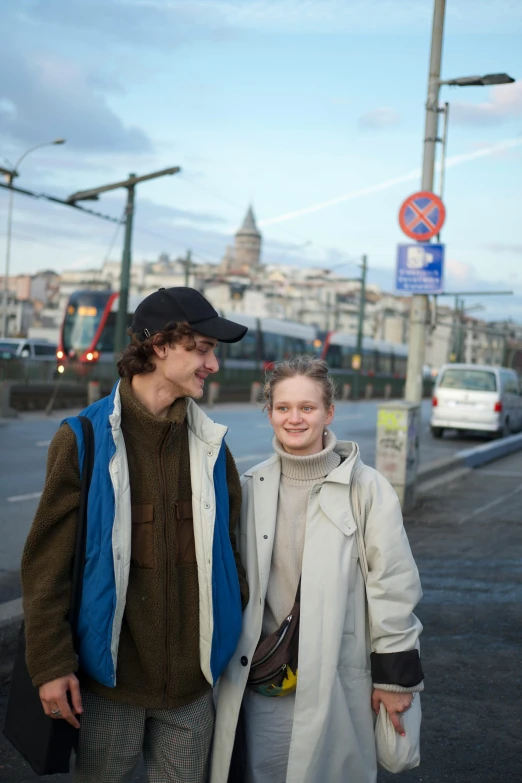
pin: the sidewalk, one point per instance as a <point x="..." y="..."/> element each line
<point x="467" y="539"/>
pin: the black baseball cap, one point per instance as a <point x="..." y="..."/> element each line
<point x="180" y="304"/>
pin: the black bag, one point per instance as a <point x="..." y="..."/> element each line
<point x="45" y="743"/>
<point x="273" y="671"/>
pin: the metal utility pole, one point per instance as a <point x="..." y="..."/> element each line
<point x="121" y="318"/>
<point x="5" y="314"/>
<point x="419" y="305"/>
<point x="461" y="332"/>
<point x="187" y="264"/>
<point x="444" y="149"/>
<point x="360" y="329"/>
<point x="10" y="174"/>
<point x="130" y="183"/>
<point x="458" y="316"/>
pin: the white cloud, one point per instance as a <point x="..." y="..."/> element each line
<point x="56" y="96"/>
<point x="502" y="247"/>
<point x="353" y="16"/>
<point x="505" y="103"/>
<point x="459" y="271"/>
<point x="379" y="119"/>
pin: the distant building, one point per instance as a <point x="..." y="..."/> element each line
<point x="245" y="256"/>
<point x="248" y="243"/>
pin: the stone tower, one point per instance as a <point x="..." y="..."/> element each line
<point x="248" y="243"/>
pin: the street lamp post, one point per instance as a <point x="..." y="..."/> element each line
<point x="10" y="174"/>
<point x="419" y="305"/>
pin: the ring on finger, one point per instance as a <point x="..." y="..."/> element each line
<point x="56" y="713"/>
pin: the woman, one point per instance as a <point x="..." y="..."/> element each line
<point x="297" y="523"/>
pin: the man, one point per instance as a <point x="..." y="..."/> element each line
<point x="163" y="586"/>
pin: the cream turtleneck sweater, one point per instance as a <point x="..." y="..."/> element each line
<point x="298" y="476"/>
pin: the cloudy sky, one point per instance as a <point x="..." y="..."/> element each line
<point x="311" y="110"/>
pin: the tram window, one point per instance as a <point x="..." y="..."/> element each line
<point x="385" y="363"/>
<point x="347" y="356"/>
<point x="293" y="346"/>
<point x="400" y="365"/>
<point x="297" y="345"/>
<point x="244" y="349"/>
<point x="333" y="357"/>
<point x="369" y="361"/>
<point x="106" y="339"/>
<point x="273" y="346"/>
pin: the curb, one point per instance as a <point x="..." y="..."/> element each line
<point x="439" y="468"/>
<point x="488" y="452"/>
<point x="470" y="458"/>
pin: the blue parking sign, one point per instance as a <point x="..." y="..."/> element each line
<point x="420" y="268"/>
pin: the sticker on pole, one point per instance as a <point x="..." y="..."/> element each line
<point x="420" y="269"/>
<point x="422" y="216"/>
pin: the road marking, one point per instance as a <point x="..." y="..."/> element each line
<point x="252" y="458"/>
<point x="345" y="417"/>
<point x="11" y="610"/>
<point x="43" y="442"/>
<point x="507" y="473"/>
<point x="490" y="505"/>
<point x="30" y="496"/>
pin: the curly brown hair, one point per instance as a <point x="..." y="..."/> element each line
<point x="306" y="366"/>
<point x="137" y="357"/>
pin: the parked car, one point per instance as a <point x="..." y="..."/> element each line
<point x="27" y="348"/>
<point x="476" y="397"/>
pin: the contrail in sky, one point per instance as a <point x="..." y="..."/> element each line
<point x="454" y="160"/>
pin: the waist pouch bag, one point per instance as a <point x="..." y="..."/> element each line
<point x="273" y="671"/>
<point x="45" y="743"/>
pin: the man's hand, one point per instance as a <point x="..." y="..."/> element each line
<point x="53" y="696"/>
<point x="395" y="704"/>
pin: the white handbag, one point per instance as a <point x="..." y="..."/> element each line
<point x="394" y="753"/>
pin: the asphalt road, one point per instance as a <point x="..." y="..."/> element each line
<point x="24" y="443"/>
<point x="466" y="536"/>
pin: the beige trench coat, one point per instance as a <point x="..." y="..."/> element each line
<point x="333" y="730"/>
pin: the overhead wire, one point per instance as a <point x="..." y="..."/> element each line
<point x="114" y="236"/>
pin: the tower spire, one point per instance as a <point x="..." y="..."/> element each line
<point x="249" y="223"/>
<point x="248" y="241"/>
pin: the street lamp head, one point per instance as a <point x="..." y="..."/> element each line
<point x="497" y="78"/>
<point x="479" y="81"/>
<point x="59" y="141"/>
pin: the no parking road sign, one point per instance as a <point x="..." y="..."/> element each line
<point x="422" y="216"/>
<point x="420" y="269"/>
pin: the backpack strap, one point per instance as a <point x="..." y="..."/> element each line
<point x="359" y="523"/>
<point x="81" y="528"/>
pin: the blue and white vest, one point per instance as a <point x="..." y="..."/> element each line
<point x="108" y="550"/>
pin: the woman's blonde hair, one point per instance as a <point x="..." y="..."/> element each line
<point x="305" y="366"/>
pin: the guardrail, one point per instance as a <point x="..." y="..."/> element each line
<point x="28" y="370"/>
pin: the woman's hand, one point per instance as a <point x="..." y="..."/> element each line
<point x="395" y="704"/>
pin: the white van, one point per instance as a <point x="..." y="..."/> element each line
<point x="476" y="397"/>
<point x="27" y="348"/>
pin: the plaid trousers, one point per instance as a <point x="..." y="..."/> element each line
<point x="175" y="743"/>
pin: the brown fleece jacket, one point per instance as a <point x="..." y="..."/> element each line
<point x="158" y="659"/>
